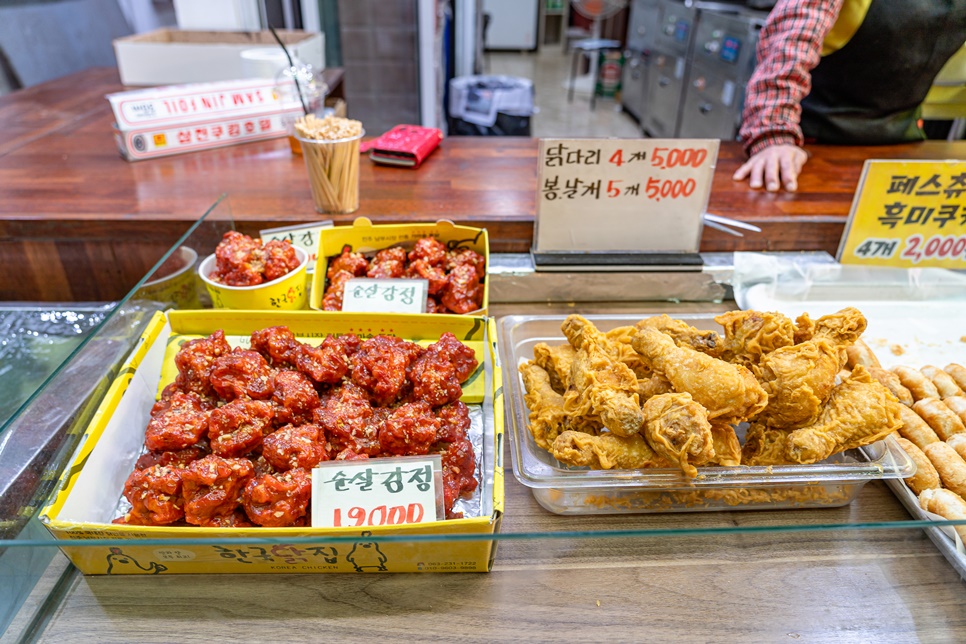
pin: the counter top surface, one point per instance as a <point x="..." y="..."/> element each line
<point x="62" y="180"/>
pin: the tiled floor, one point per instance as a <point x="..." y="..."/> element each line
<point x="549" y="70"/>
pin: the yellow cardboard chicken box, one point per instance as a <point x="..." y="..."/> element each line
<point x="89" y="496"/>
<point x="364" y="237"/>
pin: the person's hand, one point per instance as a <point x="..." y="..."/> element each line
<point x="776" y="165"/>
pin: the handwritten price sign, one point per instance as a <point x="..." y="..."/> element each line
<point x="305" y="236"/>
<point x="623" y="194"/>
<point x="377" y="491"/>
<point x="908" y="214"/>
<point x="385" y="295"/>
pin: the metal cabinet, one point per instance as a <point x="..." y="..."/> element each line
<point x="634" y="83"/>
<point x="723" y="57"/>
<point x="693" y="60"/>
<point x="643" y="23"/>
<point x="667" y="73"/>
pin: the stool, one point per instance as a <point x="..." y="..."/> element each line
<point x="592" y="46"/>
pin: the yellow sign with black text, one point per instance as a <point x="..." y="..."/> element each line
<point x="908" y="214"/>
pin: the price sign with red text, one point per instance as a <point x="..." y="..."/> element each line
<point x="603" y="195"/>
<point x="908" y="214"/>
<point x="377" y="491"/>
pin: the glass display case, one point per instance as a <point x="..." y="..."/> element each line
<point x="565" y="552"/>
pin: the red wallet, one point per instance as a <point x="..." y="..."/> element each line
<point x="404" y="145"/>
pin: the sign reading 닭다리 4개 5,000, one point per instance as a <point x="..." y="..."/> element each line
<point x="601" y="195"/>
<point x="908" y="214"/>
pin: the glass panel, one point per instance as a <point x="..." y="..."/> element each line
<point x="59" y="362"/>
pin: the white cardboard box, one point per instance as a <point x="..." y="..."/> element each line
<point x="159" y="121"/>
<point x="173" y="56"/>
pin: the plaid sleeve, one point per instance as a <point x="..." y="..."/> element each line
<point x="789" y="47"/>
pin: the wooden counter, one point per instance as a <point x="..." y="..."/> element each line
<point x="70" y="207"/>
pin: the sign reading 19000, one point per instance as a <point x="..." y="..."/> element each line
<point x="908" y="213"/>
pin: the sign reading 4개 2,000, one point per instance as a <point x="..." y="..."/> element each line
<point x="908" y="214"/>
<point x="623" y="194"/>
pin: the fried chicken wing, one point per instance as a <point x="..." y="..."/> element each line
<point x="842" y="327"/>
<point x="798" y="380"/>
<point x="600" y="385"/>
<point x="547" y="415"/>
<point x="683" y="334"/>
<point x="606" y="451"/>
<point x="727" y="447"/>
<point x="556" y="361"/>
<point x="749" y="335"/>
<point x="619" y="342"/>
<point x="859" y="411"/>
<point x="729" y="392"/>
<point x="764" y="446"/>
<point x="653" y="386"/>
<point x="804" y="328"/>
<point x="677" y="428"/>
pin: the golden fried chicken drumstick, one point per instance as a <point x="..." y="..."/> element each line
<point x="729" y="392"/>
<point x="600" y="384"/>
<point x="859" y="411"/>
<point x="678" y="429"/>
<point x="798" y="380"/>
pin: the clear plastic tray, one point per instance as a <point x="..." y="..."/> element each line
<point x="564" y="489"/>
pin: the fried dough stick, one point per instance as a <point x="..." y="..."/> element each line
<point x="600" y="385"/>
<point x="945" y="384"/>
<point x="729" y="392"/>
<point x="891" y="382"/>
<point x="918" y="385"/>
<point x="861" y="353"/>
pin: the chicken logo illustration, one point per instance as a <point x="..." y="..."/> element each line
<point x="365" y="556"/>
<point x="119" y="563"/>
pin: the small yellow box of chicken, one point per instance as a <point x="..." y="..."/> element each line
<point x="80" y="513"/>
<point x="366" y="238"/>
